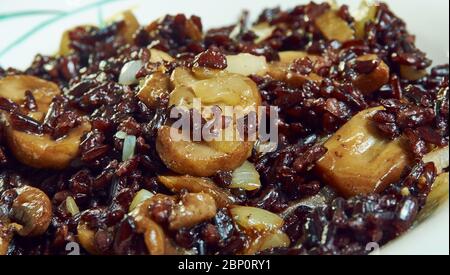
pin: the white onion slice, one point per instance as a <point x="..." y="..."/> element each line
<point x="246" y="177"/>
<point x="252" y="218"/>
<point x="129" y="71"/>
<point x="129" y="145"/>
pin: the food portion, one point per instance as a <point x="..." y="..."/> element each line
<point x="90" y="152"/>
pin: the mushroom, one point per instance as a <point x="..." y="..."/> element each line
<point x="359" y="161"/>
<point x="281" y="70"/>
<point x="197" y="185"/>
<point x="193" y="209"/>
<point x="373" y="81"/>
<point x="157" y="56"/>
<point x="130" y="25"/>
<point x="154" y="236"/>
<point x="246" y="64"/>
<point x="198" y="158"/>
<point x="15" y="87"/>
<point x="32" y="210"/>
<point x="154" y="89"/>
<point x="38" y="151"/>
<point x="6" y="235"/>
<point x="206" y="158"/>
<point x="333" y="27"/>
<point x="367" y="13"/>
<point x="86" y="237"/>
<point x="411" y="73"/>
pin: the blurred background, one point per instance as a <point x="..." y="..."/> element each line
<point x="29" y="26"/>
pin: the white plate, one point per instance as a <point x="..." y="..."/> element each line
<point x="24" y="35"/>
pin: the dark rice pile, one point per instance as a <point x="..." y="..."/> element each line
<point x="103" y="185"/>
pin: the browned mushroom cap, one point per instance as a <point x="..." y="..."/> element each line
<point x="44" y="152"/>
<point x="280" y="70"/>
<point x="38" y="151"/>
<point x="15" y="87"/>
<point x="214" y="88"/>
<point x="373" y="81"/>
<point x="197" y="185"/>
<point x="193" y="209"/>
<point x="32" y="210"/>
<point x="333" y="27"/>
<point x="86" y="237"/>
<point x="154" y="236"/>
<point x="199" y="159"/>
<point x="359" y="161"/>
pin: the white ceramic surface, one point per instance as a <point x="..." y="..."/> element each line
<point x="24" y="35"/>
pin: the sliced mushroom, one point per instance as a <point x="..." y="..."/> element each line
<point x="281" y="70"/>
<point x="437" y="197"/>
<point x="154" y="236"/>
<point x="38" y="151"/>
<point x="198" y="158"/>
<point x="367" y="13"/>
<point x="333" y="27"/>
<point x="214" y="88"/>
<point x="15" y="87"/>
<point x="130" y="27"/>
<point x="157" y="56"/>
<point x="359" y="161"/>
<point x="246" y="64"/>
<point x="193" y="209"/>
<point x="6" y="236"/>
<point x="154" y="89"/>
<point x="64" y="45"/>
<point x="86" y="237"/>
<point x="287" y="57"/>
<point x="41" y="151"/>
<point x="31" y="209"/>
<point x="369" y="83"/>
<point x="198" y="185"/>
<point x="229" y="89"/>
<point x="411" y="73"/>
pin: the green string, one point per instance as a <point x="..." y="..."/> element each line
<point x="50" y="21"/>
<point x="27" y="13"/>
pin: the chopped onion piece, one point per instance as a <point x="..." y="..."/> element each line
<point x="129" y="71"/>
<point x="246" y="177"/>
<point x="129" y="146"/>
<point x="72" y="206"/>
<point x="252" y="218"/>
<point x="140" y="197"/>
